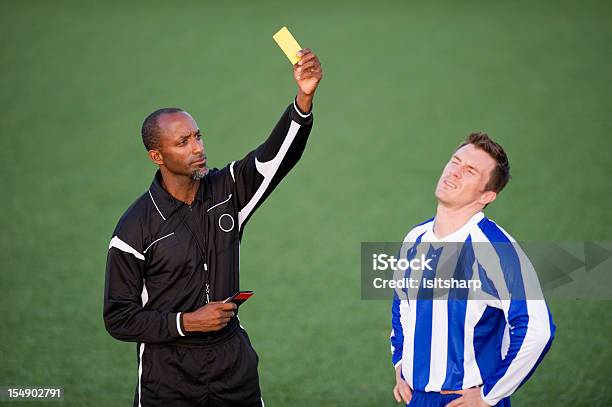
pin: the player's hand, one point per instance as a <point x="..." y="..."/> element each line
<point x="211" y="317"/>
<point x="401" y="391"/>
<point x="469" y="398"/>
<point x="307" y="71"/>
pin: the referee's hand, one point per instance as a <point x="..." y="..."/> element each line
<point x="211" y="317"/>
<point x="307" y="73"/>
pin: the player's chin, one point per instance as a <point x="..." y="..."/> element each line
<point x="444" y="196"/>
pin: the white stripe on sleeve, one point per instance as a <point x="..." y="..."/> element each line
<point x="268" y="169"/>
<point x="124" y="247"/>
<point x="178" y="324"/>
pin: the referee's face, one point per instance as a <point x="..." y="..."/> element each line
<point x="181" y="146"/>
<point x="465" y="177"/>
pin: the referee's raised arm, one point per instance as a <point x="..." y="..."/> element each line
<point x="261" y="170"/>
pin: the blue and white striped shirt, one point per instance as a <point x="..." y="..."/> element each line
<point x="458" y="342"/>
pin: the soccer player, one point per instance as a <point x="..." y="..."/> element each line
<point x="456" y="347"/>
<point x="175" y="256"/>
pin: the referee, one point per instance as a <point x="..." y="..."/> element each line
<point x="175" y="256"/>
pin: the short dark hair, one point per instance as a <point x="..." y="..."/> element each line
<point x="150" y="130"/>
<point x="500" y="175"/>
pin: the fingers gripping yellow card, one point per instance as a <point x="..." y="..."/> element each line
<point x="288" y="44"/>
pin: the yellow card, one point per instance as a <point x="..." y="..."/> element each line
<point x="288" y="44"/>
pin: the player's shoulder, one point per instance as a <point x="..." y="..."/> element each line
<point x="487" y="230"/>
<point x="418" y="230"/>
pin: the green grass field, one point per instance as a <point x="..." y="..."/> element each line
<point x="404" y="83"/>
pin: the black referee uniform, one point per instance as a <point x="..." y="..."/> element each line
<point x="166" y="258"/>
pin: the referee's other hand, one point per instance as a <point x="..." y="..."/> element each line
<point x="211" y="317"/>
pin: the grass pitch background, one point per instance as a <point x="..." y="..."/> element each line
<point x="404" y="83"/>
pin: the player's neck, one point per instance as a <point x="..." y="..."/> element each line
<point x="449" y="220"/>
<point x="180" y="187"/>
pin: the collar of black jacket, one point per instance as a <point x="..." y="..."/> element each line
<point x="165" y="203"/>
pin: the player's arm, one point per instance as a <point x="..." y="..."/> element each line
<point x="400" y="310"/>
<point x="260" y="171"/>
<point x="401" y="390"/>
<point x="531" y="327"/>
<point x="397" y="332"/>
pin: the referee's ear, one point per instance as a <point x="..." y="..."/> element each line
<point x="156" y="157"/>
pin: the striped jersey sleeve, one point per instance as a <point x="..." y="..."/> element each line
<point x="397" y="332"/>
<point x="399" y="307"/>
<point x="530" y="326"/>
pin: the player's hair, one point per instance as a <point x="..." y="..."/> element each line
<point x="500" y="175"/>
<point x="150" y="130"/>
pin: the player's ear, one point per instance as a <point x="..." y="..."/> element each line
<point x="156" y="157"/>
<point x="487" y="197"/>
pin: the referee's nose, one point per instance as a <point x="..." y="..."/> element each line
<point x="197" y="147"/>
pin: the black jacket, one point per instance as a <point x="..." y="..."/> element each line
<point x="155" y="270"/>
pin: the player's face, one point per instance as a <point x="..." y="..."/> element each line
<point x="181" y="145"/>
<point x="465" y="177"/>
